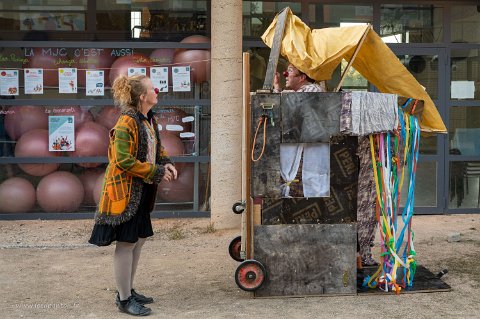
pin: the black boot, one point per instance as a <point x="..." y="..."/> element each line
<point x="132" y="307"/>
<point x="141" y="298"/>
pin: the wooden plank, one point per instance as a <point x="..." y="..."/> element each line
<point x="247" y="240"/>
<point x="274" y="52"/>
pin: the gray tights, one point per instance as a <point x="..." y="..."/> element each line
<point x="125" y="261"/>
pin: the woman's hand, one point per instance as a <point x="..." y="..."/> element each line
<point x="170" y="173"/>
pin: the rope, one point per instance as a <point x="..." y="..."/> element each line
<point x="263" y="119"/>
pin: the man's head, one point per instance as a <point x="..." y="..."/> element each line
<point x="295" y="79"/>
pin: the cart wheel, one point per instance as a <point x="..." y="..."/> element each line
<point x="238" y="207"/>
<point x="250" y="275"/>
<point x="235" y="247"/>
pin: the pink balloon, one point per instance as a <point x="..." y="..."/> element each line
<point x="60" y="192"/>
<point x="172" y="144"/>
<point x="91" y="139"/>
<point x="171" y="120"/>
<point x="199" y="62"/>
<point x="93" y="59"/>
<point x="97" y="188"/>
<point x="24" y="119"/>
<point x="17" y="195"/>
<point x="34" y="143"/>
<point x="121" y="65"/>
<point x="181" y="189"/>
<point x="193" y="39"/>
<point x="162" y="56"/>
<point x="108" y="116"/>
<point x="80" y="114"/>
<point x="88" y="179"/>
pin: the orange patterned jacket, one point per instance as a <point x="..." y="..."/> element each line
<point x="127" y="170"/>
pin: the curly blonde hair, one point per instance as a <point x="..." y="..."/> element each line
<point x="127" y="90"/>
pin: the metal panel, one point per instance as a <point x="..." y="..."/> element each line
<point x="306" y="260"/>
<point x="309" y="117"/>
<point x="266" y="171"/>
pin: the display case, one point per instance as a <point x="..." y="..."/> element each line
<point x="48" y="172"/>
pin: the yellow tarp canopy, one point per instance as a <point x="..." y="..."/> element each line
<point x="318" y="53"/>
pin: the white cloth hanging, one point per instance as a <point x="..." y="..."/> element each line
<point x="290" y="156"/>
<point x="316" y="170"/>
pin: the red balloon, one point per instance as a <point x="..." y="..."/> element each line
<point x="97" y="188"/>
<point x="60" y="192"/>
<point x="91" y="139"/>
<point x="121" y="65"/>
<point x="17" y="195"/>
<point x="89" y="178"/>
<point x="181" y="189"/>
<point x="81" y="115"/>
<point x="48" y="59"/>
<point x="199" y="62"/>
<point x="173" y="120"/>
<point x="93" y="59"/>
<point x="108" y="116"/>
<point x="24" y="119"/>
<point x="34" y="143"/>
<point x="172" y="144"/>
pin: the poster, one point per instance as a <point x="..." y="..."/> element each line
<point x="51" y="20"/>
<point x="33" y="81"/>
<point x="137" y="71"/>
<point x="61" y="133"/>
<point x="67" y="80"/>
<point x="159" y="77"/>
<point x="181" y="78"/>
<point x="95" y="83"/>
<point x="9" y="82"/>
<point x="463" y="90"/>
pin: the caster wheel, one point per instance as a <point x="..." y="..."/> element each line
<point x="238" y="208"/>
<point x="235" y="247"/>
<point x="250" y="275"/>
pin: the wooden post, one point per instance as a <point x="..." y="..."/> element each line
<point x="359" y="45"/>
<point x="247" y="222"/>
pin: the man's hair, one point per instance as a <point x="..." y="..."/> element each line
<point x="309" y="79"/>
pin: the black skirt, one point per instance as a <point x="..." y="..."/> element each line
<point x="139" y="226"/>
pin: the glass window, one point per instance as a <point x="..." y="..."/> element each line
<point x="32" y="153"/>
<point x="425" y="70"/>
<point x="336" y="15"/>
<point x="42" y="15"/>
<point x="425" y="185"/>
<point x="465" y="74"/>
<point x="411" y="23"/>
<point x="464" y="185"/>
<point x="257" y="15"/>
<point x="155" y="20"/>
<point x="465" y="26"/>
<point x="464" y="130"/>
<point x="112" y="61"/>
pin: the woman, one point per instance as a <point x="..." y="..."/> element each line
<point x="137" y="163"/>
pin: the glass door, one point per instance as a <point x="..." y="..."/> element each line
<point x="428" y="66"/>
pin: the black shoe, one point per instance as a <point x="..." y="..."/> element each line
<point x="132" y="307"/>
<point x="141" y="298"/>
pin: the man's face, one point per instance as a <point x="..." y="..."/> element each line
<point x="294" y="80"/>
